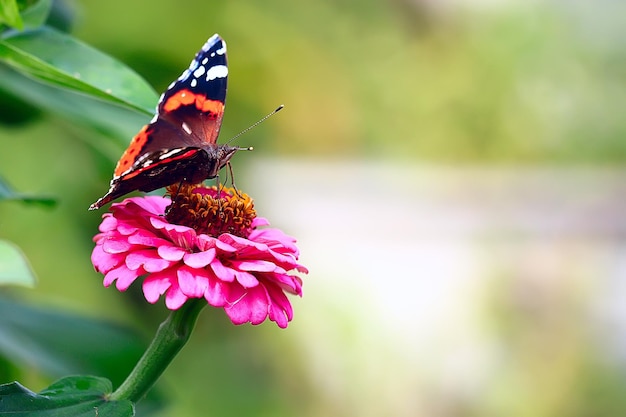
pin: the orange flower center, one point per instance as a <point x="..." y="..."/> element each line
<point x="209" y="211"/>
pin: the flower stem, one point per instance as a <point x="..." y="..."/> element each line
<point x="171" y="336"/>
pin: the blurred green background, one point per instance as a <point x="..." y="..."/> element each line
<point x="454" y="174"/>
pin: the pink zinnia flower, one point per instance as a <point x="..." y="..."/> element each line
<point x="205" y="245"/>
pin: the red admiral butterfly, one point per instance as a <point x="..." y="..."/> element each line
<point x="179" y="143"/>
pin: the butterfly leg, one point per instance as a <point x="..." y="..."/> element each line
<point x="219" y="186"/>
<point x="180" y="185"/>
<point x="232" y="178"/>
<point x="173" y="196"/>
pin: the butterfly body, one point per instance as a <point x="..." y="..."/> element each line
<point x="180" y="142"/>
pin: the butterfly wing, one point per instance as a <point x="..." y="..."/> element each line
<point x="195" y="101"/>
<point x="180" y="141"/>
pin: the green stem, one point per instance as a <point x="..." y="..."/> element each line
<point x="171" y="336"/>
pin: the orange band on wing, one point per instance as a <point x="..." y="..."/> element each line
<point x="132" y="152"/>
<point x="186" y="97"/>
<point x="206" y="105"/>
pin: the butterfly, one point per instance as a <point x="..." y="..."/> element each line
<point x="180" y="142"/>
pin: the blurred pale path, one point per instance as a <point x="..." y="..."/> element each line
<point x="435" y="289"/>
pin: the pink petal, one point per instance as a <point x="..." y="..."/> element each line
<point x="205" y="242"/>
<point x="241" y="243"/>
<point x="276" y="241"/>
<point x="259" y="221"/>
<point x="222" y="272"/>
<point x="100" y="237"/>
<point x="151" y="204"/>
<point x="109" y="223"/>
<point x="148" y="259"/>
<point x="171" y="253"/>
<point x="193" y="282"/>
<point x="199" y="259"/>
<point x="252" y="306"/>
<point x="113" y="245"/>
<point x="217" y="292"/>
<point x="156" y="284"/>
<point x="174" y="298"/>
<point x="160" y="223"/>
<point x="246" y="279"/>
<point x="290" y="283"/>
<point x="182" y="236"/>
<point x="124" y="276"/>
<point x="104" y="262"/>
<point x="287" y="259"/>
<point x="239" y="312"/>
<point x="147" y="238"/>
<point x="281" y="311"/>
<point x="127" y="229"/>
<point x="224" y="247"/>
<point x="257" y="266"/>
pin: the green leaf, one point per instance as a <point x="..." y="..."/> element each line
<point x="51" y="56"/>
<point x="36" y="15"/>
<point x="7" y="193"/>
<point x="58" y="343"/>
<point x="10" y="14"/>
<point x="73" y="396"/>
<point x="14" y="267"/>
<point x="80" y="109"/>
<point x="14" y="111"/>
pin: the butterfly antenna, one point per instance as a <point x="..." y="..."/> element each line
<point x="279" y="108"/>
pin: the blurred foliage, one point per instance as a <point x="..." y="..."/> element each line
<point x="534" y="83"/>
<point x="521" y="83"/>
<point x="14" y="268"/>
